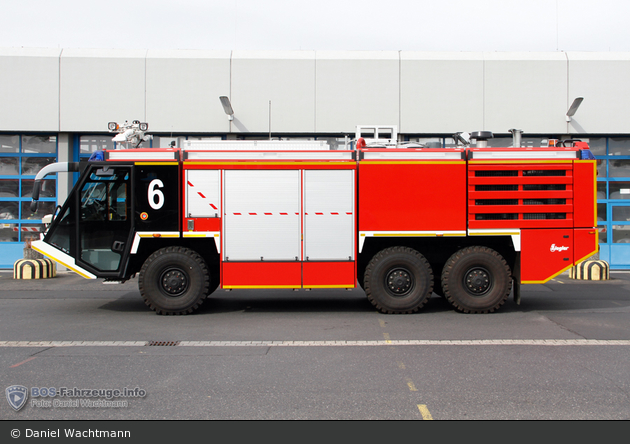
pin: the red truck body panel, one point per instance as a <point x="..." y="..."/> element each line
<point x="545" y="198"/>
<point x="412" y="195"/>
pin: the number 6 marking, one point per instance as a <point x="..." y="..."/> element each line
<point x="153" y="192"/>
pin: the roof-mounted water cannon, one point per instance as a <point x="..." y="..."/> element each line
<point x="130" y="133"/>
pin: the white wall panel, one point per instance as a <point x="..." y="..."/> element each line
<point x="526" y="91"/>
<point x="183" y="89"/>
<point x="287" y="79"/>
<point x="602" y="79"/>
<point x="29" y="88"/>
<point x="80" y="90"/>
<point x="100" y="86"/>
<point x="356" y="88"/>
<point x="441" y="92"/>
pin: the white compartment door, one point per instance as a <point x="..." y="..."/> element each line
<point x="203" y="193"/>
<point x="329" y="215"/>
<point x="262" y="215"/>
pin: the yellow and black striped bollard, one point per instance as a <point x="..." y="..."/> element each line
<point x="34" y="269"/>
<point x="595" y="270"/>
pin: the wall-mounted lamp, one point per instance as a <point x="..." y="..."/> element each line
<point x="227" y="107"/>
<point x="574" y="107"/>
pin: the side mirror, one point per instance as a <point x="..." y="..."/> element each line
<point x="37" y="186"/>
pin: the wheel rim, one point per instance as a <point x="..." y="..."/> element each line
<point x="174" y="282"/>
<point x="478" y="281"/>
<point x="399" y="281"/>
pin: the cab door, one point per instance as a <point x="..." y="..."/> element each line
<point x="104" y="219"/>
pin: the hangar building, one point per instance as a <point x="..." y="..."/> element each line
<point x="56" y="103"/>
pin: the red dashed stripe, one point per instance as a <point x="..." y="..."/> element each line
<point x="202" y="195"/>
<point x="286" y="214"/>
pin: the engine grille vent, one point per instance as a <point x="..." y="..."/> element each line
<point x="520" y="195"/>
<point x="495" y="173"/>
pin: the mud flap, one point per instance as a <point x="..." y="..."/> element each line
<point x="517" y="291"/>
<point x="516" y="277"/>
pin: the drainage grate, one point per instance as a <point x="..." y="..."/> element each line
<point x="162" y="343"/>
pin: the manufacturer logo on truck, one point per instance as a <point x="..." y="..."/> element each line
<point x="555" y="247"/>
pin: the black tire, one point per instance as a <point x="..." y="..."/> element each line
<point x="398" y="280"/>
<point x="476" y="280"/>
<point x="174" y="281"/>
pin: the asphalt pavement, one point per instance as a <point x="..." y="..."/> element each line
<point x="319" y="355"/>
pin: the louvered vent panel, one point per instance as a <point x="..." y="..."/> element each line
<point x="520" y="196"/>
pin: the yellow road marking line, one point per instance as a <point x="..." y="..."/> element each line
<point x="424" y="411"/>
<point x="387" y="338"/>
<point x="411" y="385"/>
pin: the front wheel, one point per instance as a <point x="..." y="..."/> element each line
<point x="476" y="280"/>
<point x="398" y="280"/>
<point x="174" y="281"/>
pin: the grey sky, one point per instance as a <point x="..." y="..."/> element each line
<point x="413" y="25"/>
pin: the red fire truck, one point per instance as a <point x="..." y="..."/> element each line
<point x="402" y="222"/>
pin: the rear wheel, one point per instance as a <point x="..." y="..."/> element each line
<point x="398" y="280"/>
<point x="174" y="281"/>
<point x="476" y="280"/>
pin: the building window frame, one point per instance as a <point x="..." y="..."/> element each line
<point x="20" y="224"/>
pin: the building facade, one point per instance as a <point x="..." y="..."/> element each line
<point x="56" y="104"/>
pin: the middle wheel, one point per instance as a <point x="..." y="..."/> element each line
<point x="398" y="280"/>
